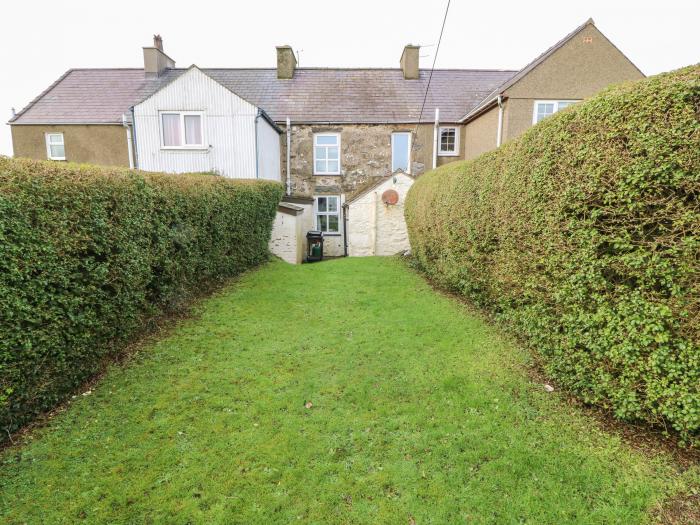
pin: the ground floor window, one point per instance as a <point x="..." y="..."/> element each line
<point x="545" y="108"/>
<point x="328" y="214"/>
<point x="55" y="147"/>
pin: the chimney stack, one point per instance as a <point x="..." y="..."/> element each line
<point x="409" y="62"/>
<point x="286" y="62"/>
<point x="155" y="61"/>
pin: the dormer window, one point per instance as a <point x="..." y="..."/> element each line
<point x="182" y="130"/>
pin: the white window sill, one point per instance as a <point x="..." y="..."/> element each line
<point x="328" y="174"/>
<point x="333" y="234"/>
<point x="441" y="154"/>
<point x="59" y="159"/>
<point x="193" y="148"/>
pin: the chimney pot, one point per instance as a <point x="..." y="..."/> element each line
<point x="409" y="62"/>
<point x="158" y="42"/>
<point x="286" y="62"/>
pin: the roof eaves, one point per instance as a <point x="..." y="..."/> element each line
<point x="493" y="96"/>
<point x="40" y="96"/>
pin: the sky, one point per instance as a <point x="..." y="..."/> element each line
<point x="40" y="40"/>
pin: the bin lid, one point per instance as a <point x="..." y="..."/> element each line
<point x="314" y="233"/>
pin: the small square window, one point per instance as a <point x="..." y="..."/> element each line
<point x="328" y="214"/>
<point x="181" y="130"/>
<point x="55" y="146"/>
<point x="448" y="142"/>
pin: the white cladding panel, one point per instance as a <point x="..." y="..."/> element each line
<point x="268" y="151"/>
<point x="228" y="124"/>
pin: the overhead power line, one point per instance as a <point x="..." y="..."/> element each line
<point x="430" y="78"/>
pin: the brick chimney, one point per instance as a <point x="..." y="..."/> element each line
<point x="155" y="61"/>
<point x="286" y="62"/>
<point x="409" y="62"/>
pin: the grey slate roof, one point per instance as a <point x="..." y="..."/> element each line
<point x="314" y="95"/>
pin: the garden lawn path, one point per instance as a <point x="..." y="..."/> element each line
<point x="346" y="391"/>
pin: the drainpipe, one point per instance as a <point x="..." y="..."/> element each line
<point x="436" y="131"/>
<point x="373" y="231"/>
<point x="257" y="156"/>
<point x="289" y="163"/>
<point x="134" y="142"/>
<point x="129" y="148"/>
<point x="499" y="132"/>
<point x="345" y="229"/>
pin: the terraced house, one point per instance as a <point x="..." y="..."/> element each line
<point x="347" y="143"/>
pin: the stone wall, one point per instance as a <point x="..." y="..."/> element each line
<point x="365" y="154"/>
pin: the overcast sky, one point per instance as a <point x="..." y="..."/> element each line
<point x="40" y="40"/>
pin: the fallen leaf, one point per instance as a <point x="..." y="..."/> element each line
<point x="548" y="388"/>
<point x="308" y="404"/>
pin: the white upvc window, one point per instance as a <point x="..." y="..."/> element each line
<point x="545" y="108"/>
<point x="401" y="151"/>
<point x="55" y="146"/>
<point x="327" y="154"/>
<point x="182" y="130"/>
<point x="448" y="141"/>
<point x="327" y="213"/>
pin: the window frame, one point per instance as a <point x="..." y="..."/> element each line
<point x="556" y="103"/>
<point x="443" y="153"/>
<point x="326" y="134"/>
<point x="48" y="144"/>
<point x="337" y="213"/>
<point x="410" y="144"/>
<point x="182" y="114"/>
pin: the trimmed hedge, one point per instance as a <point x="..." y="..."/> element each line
<point x="584" y="236"/>
<point x="87" y="254"/>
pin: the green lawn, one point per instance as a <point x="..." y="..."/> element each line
<point x="420" y="412"/>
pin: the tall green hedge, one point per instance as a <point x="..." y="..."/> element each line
<point x="88" y="253"/>
<point x="584" y="236"/>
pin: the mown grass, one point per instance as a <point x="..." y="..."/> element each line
<point x="420" y="412"/>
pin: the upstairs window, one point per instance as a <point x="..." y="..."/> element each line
<point x="401" y="151"/>
<point x="328" y="214"/>
<point x="545" y="108"/>
<point x="327" y="154"/>
<point x="55" y="147"/>
<point x="181" y="129"/>
<point x="449" y="142"/>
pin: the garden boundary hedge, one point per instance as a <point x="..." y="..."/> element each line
<point x="88" y="253"/>
<point x="583" y="235"/>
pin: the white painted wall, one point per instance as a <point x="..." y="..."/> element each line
<point x="375" y="228"/>
<point x="228" y="124"/>
<point x="268" y="151"/>
<point x="286" y="239"/>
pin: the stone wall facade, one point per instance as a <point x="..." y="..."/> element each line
<point x="365" y="155"/>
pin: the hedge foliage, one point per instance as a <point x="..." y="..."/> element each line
<point x="87" y="254"/>
<point x="583" y="235"/>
